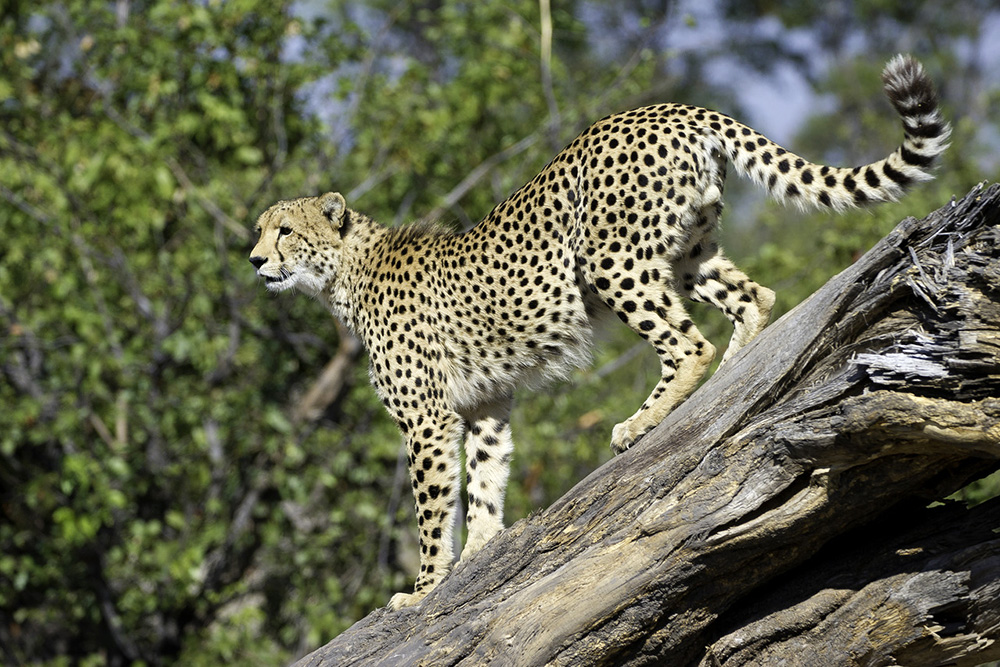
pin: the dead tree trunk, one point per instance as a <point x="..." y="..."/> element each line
<point x="782" y="511"/>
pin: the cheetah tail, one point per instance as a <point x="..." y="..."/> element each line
<point x="925" y="131"/>
<point x="789" y="178"/>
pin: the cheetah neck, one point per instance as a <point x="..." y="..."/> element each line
<point x="363" y="238"/>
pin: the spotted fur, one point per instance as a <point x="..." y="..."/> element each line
<point x="623" y="220"/>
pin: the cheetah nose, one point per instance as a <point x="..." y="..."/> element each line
<point x="258" y="261"/>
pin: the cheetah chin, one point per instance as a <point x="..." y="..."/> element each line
<point x="623" y="221"/>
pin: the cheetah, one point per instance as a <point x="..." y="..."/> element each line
<point x="622" y="220"/>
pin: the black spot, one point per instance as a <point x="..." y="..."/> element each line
<point x="871" y="178"/>
<point x="896" y="176"/>
<point x="925" y="130"/>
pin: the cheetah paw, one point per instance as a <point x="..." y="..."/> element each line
<point x="476" y="542"/>
<point x="622" y="438"/>
<point x="400" y="600"/>
<point x="484" y="530"/>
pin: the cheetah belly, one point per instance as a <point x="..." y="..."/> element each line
<point x="524" y="336"/>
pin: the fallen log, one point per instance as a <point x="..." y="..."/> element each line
<point x="781" y="512"/>
<point x="919" y="586"/>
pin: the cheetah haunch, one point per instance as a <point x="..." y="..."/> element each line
<point x="623" y="219"/>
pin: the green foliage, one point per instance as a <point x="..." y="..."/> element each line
<point x="158" y="502"/>
<point x="137" y="428"/>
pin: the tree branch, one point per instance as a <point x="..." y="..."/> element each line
<point x="555" y="121"/>
<point x="328" y="387"/>
<point x="479" y="172"/>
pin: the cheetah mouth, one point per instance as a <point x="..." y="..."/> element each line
<point x="275" y="281"/>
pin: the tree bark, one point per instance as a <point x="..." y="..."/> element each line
<point x="779" y="514"/>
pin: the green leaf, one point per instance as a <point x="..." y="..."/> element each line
<point x="250" y="155"/>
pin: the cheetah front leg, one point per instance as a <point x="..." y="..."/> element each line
<point x="488" y="447"/>
<point x="433" y="438"/>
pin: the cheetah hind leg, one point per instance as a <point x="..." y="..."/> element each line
<point x="488" y="448"/>
<point x="708" y="276"/>
<point x="685" y="355"/>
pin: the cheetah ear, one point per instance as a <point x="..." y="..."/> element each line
<point x="333" y="206"/>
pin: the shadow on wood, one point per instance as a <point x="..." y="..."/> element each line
<point x="782" y="510"/>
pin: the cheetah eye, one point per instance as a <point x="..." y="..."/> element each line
<point x="284" y="231"/>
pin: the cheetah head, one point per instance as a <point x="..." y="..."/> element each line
<point x="298" y="243"/>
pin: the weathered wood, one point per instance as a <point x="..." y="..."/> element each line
<point x="880" y="389"/>
<point x="917" y="587"/>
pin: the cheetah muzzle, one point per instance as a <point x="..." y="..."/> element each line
<point x="623" y="219"/>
